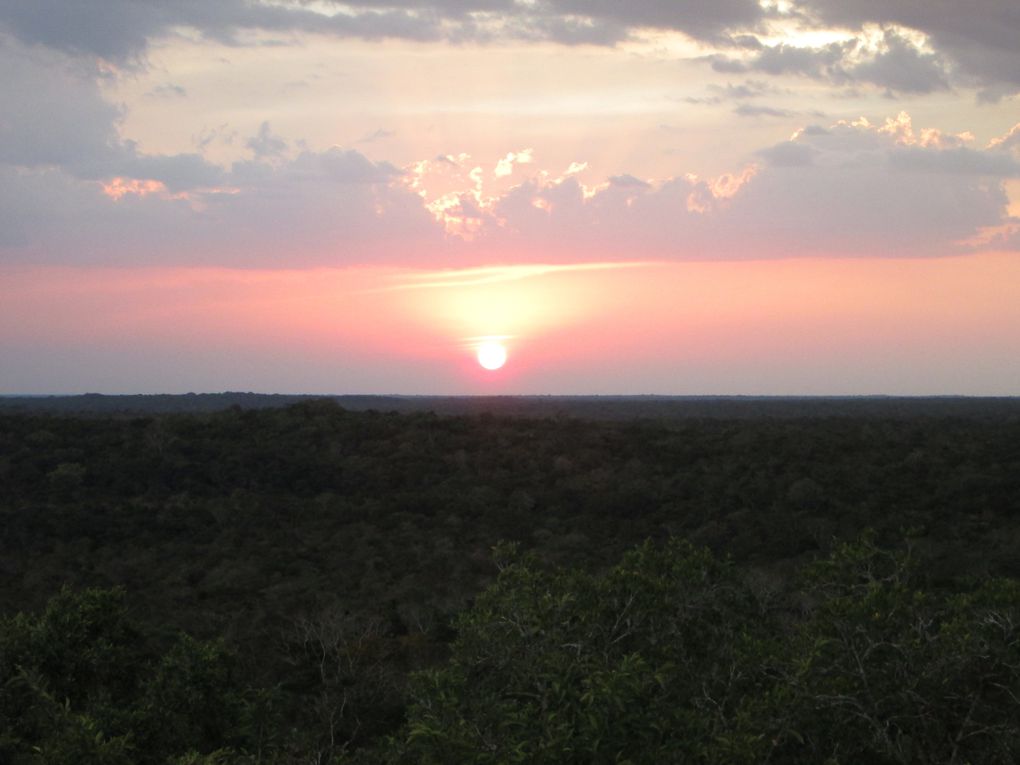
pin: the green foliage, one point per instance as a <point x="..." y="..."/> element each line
<point x="884" y="671"/>
<point x="636" y="664"/>
<point x="77" y="685"/>
<point x="82" y="644"/>
<point x="289" y="569"/>
<point x="664" y="659"/>
<point x="189" y="697"/>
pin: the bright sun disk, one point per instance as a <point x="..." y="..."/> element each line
<point x="491" y="355"/>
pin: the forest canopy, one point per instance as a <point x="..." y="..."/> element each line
<point x="311" y="583"/>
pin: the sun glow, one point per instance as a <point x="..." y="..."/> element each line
<point x="491" y="355"/>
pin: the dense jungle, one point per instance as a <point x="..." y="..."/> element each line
<point x="828" y="582"/>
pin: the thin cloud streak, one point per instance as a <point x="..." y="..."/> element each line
<point x="469" y="277"/>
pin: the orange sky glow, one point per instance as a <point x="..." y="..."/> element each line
<point x="836" y="325"/>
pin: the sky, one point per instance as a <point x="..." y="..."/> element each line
<point x="719" y="197"/>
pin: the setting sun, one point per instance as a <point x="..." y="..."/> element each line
<point x="491" y="355"/>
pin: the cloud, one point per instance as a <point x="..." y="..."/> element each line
<point x="855" y="198"/>
<point x="747" y="89"/>
<point x="345" y="166"/>
<point x="788" y="154"/>
<point x="219" y="134"/>
<point x="742" y="95"/>
<point x="902" y="68"/>
<point x="474" y="277"/>
<point x="850" y="189"/>
<point x="178" y="172"/>
<point x="825" y="61"/>
<point x="120" y="30"/>
<point x="168" y="90"/>
<point x="959" y="161"/>
<point x="894" y="63"/>
<point x="264" y="144"/>
<point x="973" y="44"/>
<point x="701" y="19"/>
<point x="1011" y="140"/>
<point x="111" y="29"/>
<point x="757" y="110"/>
<point x="506" y="165"/>
<point x="920" y="47"/>
<point x="62" y="121"/>
<point x="854" y="189"/>
<point x="54" y="113"/>
<point x="978" y="37"/>
<point x="377" y="135"/>
<point x="718" y="94"/>
<point x="628" y="181"/>
<point x="331" y="207"/>
<point x="73" y="190"/>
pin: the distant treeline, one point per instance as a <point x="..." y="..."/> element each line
<point x="286" y="573"/>
<point x="584" y="407"/>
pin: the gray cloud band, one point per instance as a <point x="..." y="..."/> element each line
<point x="973" y="42"/>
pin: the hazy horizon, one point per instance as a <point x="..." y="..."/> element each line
<point x="383" y="395"/>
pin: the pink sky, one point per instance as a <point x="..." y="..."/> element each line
<point x="814" y="326"/>
<point x="794" y="197"/>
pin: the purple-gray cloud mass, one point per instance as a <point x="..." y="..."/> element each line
<point x="975" y="42"/>
<point x="848" y="190"/>
<point x="73" y="189"/>
<point x="122" y="29"/>
<point x="852" y="190"/>
<point x="898" y="67"/>
<point x="980" y="36"/>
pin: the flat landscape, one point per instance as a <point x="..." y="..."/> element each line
<point x="323" y="556"/>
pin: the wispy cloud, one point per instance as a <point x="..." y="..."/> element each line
<point x="470" y="277"/>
